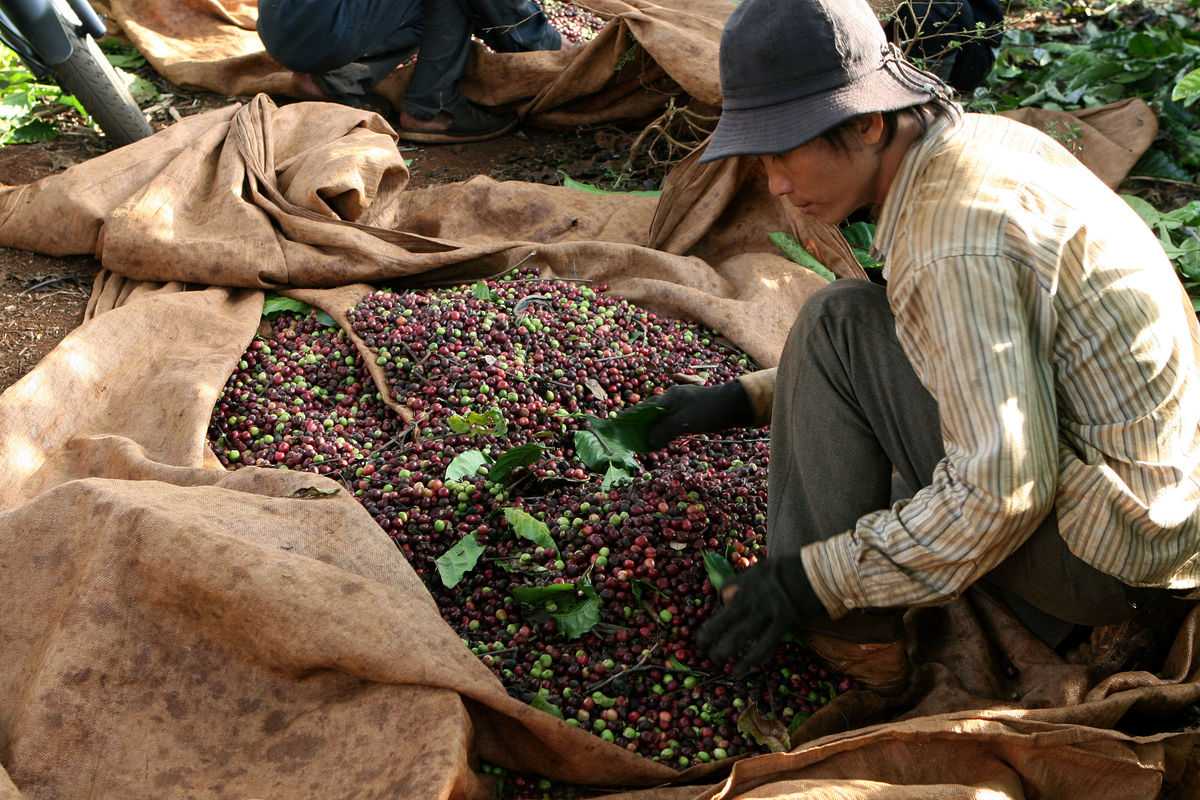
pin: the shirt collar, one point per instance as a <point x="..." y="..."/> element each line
<point x="889" y="215"/>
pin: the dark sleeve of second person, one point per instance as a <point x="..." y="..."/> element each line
<point x="960" y="33"/>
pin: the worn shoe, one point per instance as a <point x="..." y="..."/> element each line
<point x="463" y="122"/>
<point x="882" y="667"/>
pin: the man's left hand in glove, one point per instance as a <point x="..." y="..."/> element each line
<point x="768" y="601"/>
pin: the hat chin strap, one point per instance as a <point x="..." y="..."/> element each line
<point x="908" y="74"/>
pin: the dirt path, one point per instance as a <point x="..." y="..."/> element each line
<point x="41" y="298"/>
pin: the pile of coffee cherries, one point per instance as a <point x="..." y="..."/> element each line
<point x="576" y="23"/>
<point x="580" y="588"/>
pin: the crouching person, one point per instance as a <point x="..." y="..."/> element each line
<point x="1032" y="369"/>
<point x="342" y="48"/>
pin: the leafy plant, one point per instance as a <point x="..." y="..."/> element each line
<point x="1179" y="233"/>
<point x="121" y="55"/>
<point x="29" y="106"/>
<point x="25" y="102"/>
<point x="1158" y="60"/>
<point x="125" y="59"/>
<point x="1091" y="66"/>
<point x="1188" y="88"/>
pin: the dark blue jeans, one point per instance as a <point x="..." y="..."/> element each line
<point x="354" y="44"/>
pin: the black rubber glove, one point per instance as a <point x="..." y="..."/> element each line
<point x="699" y="409"/>
<point x="772" y="599"/>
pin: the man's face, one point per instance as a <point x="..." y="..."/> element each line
<point x="825" y="181"/>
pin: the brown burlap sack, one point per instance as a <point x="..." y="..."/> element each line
<point x="171" y="629"/>
<point x="1108" y="140"/>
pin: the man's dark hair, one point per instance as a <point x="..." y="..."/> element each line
<point x="840" y="136"/>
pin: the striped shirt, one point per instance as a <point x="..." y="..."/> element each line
<point x="1045" y="319"/>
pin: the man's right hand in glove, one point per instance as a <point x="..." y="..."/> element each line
<point x="699" y="409"/>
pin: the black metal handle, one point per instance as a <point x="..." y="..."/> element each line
<point x="88" y="17"/>
<point x="40" y="26"/>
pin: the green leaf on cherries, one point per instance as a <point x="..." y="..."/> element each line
<point x="483" y="292"/>
<point x="529" y="527"/>
<point x="678" y="666"/>
<point x="542" y="594"/>
<point x="601" y="453"/>
<point x="506" y="462"/>
<point x="598" y="456"/>
<point x="465" y="465"/>
<point x="629" y="428"/>
<point x="615" y="476"/>
<point x="278" y="304"/>
<point x="459" y="560"/>
<point x="479" y="423"/>
<point x="720" y="571"/>
<point x="577" y="604"/>
<point x="488" y="423"/>
<point x="581" y="617"/>
<point x="540" y="702"/>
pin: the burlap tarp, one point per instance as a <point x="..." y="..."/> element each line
<point x="646" y="53"/>
<point x="170" y="629"/>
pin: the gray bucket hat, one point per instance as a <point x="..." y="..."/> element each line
<point x="793" y="69"/>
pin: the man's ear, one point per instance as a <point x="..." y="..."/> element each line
<point x="871" y="128"/>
